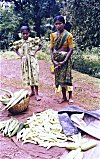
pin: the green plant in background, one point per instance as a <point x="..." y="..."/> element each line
<point x="87" y="62"/>
<point x="8" y="26"/>
<point x="44" y="54"/>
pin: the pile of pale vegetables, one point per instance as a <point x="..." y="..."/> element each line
<point x="11" y="99"/>
<point x="44" y="129"/>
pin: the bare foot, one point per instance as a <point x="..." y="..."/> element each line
<point x="32" y="94"/>
<point x="38" y="98"/>
<point x="70" y="101"/>
<point x="62" y="100"/>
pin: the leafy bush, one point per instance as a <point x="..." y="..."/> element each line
<point x="87" y="63"/>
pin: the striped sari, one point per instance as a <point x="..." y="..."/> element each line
<point x="63" y="75"/>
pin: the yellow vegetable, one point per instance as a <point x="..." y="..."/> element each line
<point x="72" y="146"/>
<point x="88" y="145"/>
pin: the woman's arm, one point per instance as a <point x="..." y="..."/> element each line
<point x="36" y="50"/>
<point x="68" y="55"/>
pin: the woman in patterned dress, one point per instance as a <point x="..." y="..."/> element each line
<point x="27" y="50"/>
<point x="61" y="49"/>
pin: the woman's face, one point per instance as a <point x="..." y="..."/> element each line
<point x="59" y="25"/>
<point x="25" y="34"/>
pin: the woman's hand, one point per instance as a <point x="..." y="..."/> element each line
<point x="63" y="62"/>
<point x="55" y="63"/>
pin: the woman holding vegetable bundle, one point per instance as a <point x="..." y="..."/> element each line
<point x="61" y="49"/>
<point x="27" y="49"/>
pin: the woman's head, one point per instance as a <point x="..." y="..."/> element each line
<point x="25" y="32"/>
<point x="59" y="18"/>
<point x="59" y="22"/>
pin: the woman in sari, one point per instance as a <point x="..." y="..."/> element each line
<point x="61" y="49"/>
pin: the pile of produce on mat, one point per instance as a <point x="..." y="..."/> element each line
<point x="44" y="129"/>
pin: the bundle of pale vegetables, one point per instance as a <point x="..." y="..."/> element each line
<point x="10" y="127"/>
<point x="45" y="130"/>
<point x="13" y="98"/>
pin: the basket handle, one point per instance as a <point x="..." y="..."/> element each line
<point x="7" y="91"/>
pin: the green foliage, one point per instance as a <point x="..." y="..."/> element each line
<point x="87" y="62"/>
<point x="35" y="11"/>
<point x="87" y="19"/>
<point x="8" y="26"/>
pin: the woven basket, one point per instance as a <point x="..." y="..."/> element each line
<point x="20" y="107"/>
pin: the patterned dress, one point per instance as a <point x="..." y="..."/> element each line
<point x="63" y="75"/>
<point x="30" y="66"/>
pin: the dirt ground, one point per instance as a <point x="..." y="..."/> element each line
<point x="85" y="95"/>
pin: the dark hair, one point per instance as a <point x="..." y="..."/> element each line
<point x="68" y="26"/>
<point x="25" y="28"/>
<point x="60" y="18"/>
